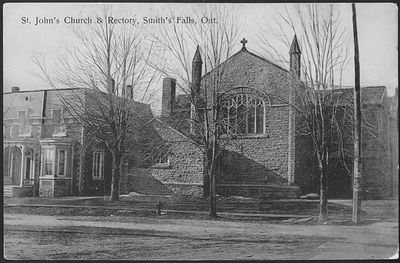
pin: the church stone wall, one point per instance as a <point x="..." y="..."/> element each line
<point x="377" y="179"/>
<point x="185" y="165"/>
<point x="247" y="70"/>
<point x="304" y="175"/>
<point x="261" y="157"/>
<point x="182" y="174"/>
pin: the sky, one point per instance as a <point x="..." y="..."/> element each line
<point x="377" y="34"/>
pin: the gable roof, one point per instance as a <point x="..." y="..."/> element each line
<point x="167" y="132"/>
<point x="245" y="50"/>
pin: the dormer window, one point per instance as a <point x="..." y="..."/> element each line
<point x="25" y="129"/>
<point x="60" y="129"/>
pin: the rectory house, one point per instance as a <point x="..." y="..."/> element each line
<point x="269" y="158"/>
<point x="43" y="147"/>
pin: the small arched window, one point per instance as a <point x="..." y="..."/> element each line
<point x="243" y="114"/>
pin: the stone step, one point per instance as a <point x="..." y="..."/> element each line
<point x="7" y="190"/>
<point x="263" y="192"/>
<point x="147" y="185"/>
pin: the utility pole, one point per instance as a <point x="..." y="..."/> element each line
<point x="357" y="128"/>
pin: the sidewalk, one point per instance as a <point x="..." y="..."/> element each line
<point x="288" y="210"/>
<point x="128" y="209"/>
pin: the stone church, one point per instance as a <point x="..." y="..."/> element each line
<point x="270" y="157"/>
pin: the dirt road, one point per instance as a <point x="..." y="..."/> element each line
<point x="90" y="237"/>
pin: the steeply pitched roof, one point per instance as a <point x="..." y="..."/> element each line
<point x="294" y="47"/>
<point x="167" y="132"/>
<point x="241" y="51"/>
<point x="197" y="56"/>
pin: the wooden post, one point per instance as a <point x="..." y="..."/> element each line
<point x="357" y="186"/>
<point x="22" y="165"/>
<point x="12" y="164"/>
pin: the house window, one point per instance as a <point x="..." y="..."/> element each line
<point x="14" y="130"/>
<point x="243" y="114"/>
<point x="62" y="158"/>
<point x="98" y="160"/>
<point x="48" y="161"/>
<point x="56" y="115"/>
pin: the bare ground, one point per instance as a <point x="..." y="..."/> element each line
<point x="100" y="243"/>
<point x="118" y="233"/>
<point x="131" y="237"/>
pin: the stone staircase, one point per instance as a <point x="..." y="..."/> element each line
<point x="259" y="191"/>
<point x="141" y="181"/>
<point x="263" y="186"/>
<point x="144" y="183"/>
<point x="8" y="190"/>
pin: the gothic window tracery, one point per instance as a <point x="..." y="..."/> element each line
<point x="244" y="114"/>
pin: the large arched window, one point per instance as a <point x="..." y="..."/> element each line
<point x="243" y="114"/>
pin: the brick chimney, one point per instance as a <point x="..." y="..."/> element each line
<point x="14" y="89"/>
<point x="295" y="54"/>
<point x="168" y="97"/>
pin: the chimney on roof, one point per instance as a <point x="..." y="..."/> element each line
<point x="295" y="54"/>
<point x="168" y="97"/>
<point x="14" y="89"/>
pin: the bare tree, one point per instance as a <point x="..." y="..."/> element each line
<point x="324" y="51"/>
<point x="213" y="42"/>
<point x="108" y="65"/>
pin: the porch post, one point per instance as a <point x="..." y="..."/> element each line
<point x="33" y="162"/>
<point x="22" y="165"/>
<point x="11" y="163"/>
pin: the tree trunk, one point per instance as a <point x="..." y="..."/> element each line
<point x="116" y="173"/>
<point x="206" y="179"/>
<point x="323" y="200"/>
<point x="213" y="197"/>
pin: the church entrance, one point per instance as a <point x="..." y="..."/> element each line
<point x="339" y="180"/>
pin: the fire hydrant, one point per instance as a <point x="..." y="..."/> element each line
<point x="158" y="206"/>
